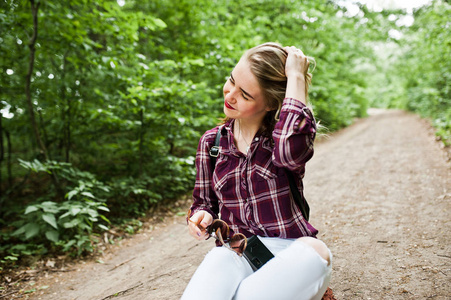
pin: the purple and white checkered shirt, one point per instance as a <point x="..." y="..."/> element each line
<point x="251" y="192"/>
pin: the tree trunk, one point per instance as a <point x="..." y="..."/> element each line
<point x="32" y="46"/>
<point x="67" y="124"/>
<point x="141" y="141"/>
<point x="8" y="166"/>
<point x="45" y="138"/>
<point x="65" y="139"/>
<point x="9" y="163"/>
<point x="67" y="131"/>
<point x="2" y="154"/>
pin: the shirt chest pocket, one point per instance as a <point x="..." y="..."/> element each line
<point x="269" y="173"/>
<point x="264" y="169"/>
<point x="269" y="181"/>
<point x="221" y="173"/>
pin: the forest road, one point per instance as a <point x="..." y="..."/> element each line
<point x="379" y="193"/>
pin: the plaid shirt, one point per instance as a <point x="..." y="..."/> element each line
<point x="251" y="192"/>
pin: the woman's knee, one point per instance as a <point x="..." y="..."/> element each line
<point x="319" y="246"/>
<point x="218" y="254"/>
<point x="224" y="258"/>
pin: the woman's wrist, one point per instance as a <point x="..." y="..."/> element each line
<point x="295" y="75"/>
<point x="296" y="87"/>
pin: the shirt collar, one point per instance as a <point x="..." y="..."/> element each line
<point x="227" y="130"/>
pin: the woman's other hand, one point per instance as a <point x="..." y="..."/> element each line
<point x="296" y="68"/>
<point x="198" y="224"/>
<point x="297" y="63"/>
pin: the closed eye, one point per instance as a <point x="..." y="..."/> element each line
<point x="231" y="79"/>
<point x="243" y="92"/>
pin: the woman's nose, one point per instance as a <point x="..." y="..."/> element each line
<point x="230" y="95"/>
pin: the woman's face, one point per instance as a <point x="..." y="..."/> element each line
<point x="243" y="98"/>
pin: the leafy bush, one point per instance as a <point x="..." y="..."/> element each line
<point x="170" y="177"/>
<point x="421" y="68"/>
<point x="66" y="225"/>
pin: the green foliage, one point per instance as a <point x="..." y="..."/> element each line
<point x="65" y="225"/>
<point x="428" y="82"/>
<point x="122" y="94"/>
<point x="418" y="74"/>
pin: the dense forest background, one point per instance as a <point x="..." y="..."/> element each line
<point x="103" y="102"/>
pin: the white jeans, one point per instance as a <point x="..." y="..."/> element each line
<point x="296" y="272"/>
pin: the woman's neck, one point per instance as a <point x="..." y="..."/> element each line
<point x="244" y="133"/>
<point x="248" y="130"/>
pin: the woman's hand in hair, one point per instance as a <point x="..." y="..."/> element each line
<point x="297" y="63"/>
<point x="198" y="224"/>
<point x="296" y="68"/>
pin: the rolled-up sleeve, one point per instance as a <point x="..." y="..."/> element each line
<point x="293" y="135"/>
<point x="204" y="197"/>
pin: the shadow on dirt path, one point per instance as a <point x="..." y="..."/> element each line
<point x="380" y="196"/>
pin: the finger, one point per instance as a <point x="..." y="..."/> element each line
<point x="196" y="232"/>
<point x="289" y="49"/>
<point x="194" y="227"/>
<point x="294" y="50"/>
<point x="198" y="224"/>
<point x="298" y="52"/>
<point x="197" y="218"/>
<point x="206" y="220"/>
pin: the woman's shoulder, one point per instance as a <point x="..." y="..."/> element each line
<point x="209" y="136"/>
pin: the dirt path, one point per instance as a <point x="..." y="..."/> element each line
<point x="380" y="194"/>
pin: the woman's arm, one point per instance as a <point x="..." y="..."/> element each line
<point x="295" y="132"/>
<point x="205" y="204"/>
<point x="293" y="135"/>
<point x="296" y="68"/>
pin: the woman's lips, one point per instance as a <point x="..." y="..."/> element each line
<point x="228" y="105"/>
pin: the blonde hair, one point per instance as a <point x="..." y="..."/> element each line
<point x="267" y="64"/>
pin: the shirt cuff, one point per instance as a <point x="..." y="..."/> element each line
<point x="293" y="105"/>
<point x="192" y="211"/>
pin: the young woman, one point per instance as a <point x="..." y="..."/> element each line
<point x="268" y="131"/>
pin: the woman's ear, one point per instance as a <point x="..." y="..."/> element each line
<point x="274" y="107"/>
<point x="270" y="107"/>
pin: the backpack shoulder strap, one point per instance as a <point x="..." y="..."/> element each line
<point x="214" y="150"/>
<point x="300" y="201"/>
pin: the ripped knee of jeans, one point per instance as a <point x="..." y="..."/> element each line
<point x="319" y="246"/>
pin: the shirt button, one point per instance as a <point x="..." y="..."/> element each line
<point x="256" y="139"/>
